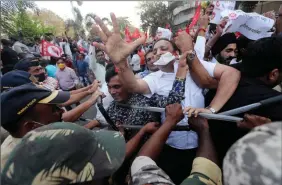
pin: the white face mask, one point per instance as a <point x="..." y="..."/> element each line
<point x="165" y="59"/>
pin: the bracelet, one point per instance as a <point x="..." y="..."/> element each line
<point x="202" y="29"/>
<point x="179" y="79"/>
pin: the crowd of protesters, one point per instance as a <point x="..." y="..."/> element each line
<point x="154" y="101"/>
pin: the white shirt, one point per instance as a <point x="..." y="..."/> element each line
<point x="98" y="69"/>
<point x="199" y="47"/>
<point x="161" y="83"/>
<point x="135" y="62"/>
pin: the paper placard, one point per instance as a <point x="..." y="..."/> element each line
<point x="163" y="33"/>
<point x="220" y="6"/>
<point x="252" y="25"/>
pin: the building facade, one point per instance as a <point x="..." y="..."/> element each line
<point x="183" y="12"/>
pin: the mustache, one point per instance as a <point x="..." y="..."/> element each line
<point x="230" y="58"/>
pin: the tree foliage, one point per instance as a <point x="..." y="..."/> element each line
<point x="154" y="14"/>
<point x="49" y="18"/>
<point x="248" y="6"/>
<point x="15" y="18"/>
<point x="122" y="21"/>
<point x="76" y="24"/>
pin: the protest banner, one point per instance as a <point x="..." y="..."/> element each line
<point x="49" y="49"/>
<point x="252" y="25"/>
<point x="220" y="6"/>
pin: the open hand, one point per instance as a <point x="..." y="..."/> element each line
<point x="115" y="47"/>
<point x="252" y="121"/>
<point x="174" y="112"/>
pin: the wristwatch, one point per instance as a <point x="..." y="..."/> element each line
<point x="191" y="56"/>
<point x="211" y="109"/>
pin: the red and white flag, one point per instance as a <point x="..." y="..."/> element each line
<point x="127" y="35"/>
<point x="49" y="49"/>
<point x="136" y="34"/>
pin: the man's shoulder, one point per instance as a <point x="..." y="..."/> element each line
<point x="156" y="74"/>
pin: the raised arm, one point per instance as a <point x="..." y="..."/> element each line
<point x="132" y="83"/>
<point x="201" y="37"/>
<point x="75" y="113"/>
<point x="205" y="165"/>
<point x="132" y="144"/>
<point x="228" y="78"/>
<point x="154" y="145"/>
<point x="118" y="50"/>
<point x="213" y="40"/>
<point x="197" y="70"/>
<point x="206" y="147"/>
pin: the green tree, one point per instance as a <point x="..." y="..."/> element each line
<point x="76" y="24"/>
<point x="9" y="10"/>
<point x="20" y="20"/>
<point x="49" y="18"/>
<point x="154" y="14"/>
<point x="123" y="22"/>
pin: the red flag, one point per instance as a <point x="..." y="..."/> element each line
<point x="237" y="34"/>
<point x="127" y="34"/>
<point x="136" y="34"/>
<point x="146" y="36"/>
<point x="49" y="49"/>
<point x="195" y="18"/>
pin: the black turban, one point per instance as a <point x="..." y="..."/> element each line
<point x="223" y="42"/>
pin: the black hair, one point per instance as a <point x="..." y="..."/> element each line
<point x="175" y="48"/>
<point x="263" y="56"/>
<point x="53" y="60"/>
<point x="44" y="63"/>
<point x="98" y="50"/>
<point x="14" y="38"/>
<point x="61" y="58"/>
<point x="149" y="51"/>
<point x="82" y="54"/>
<point x="110" y="73"/>
<point x="109" y="65"/>
<point x="6" y="42"/>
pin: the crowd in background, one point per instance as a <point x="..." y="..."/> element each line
<point x="151" y="98"/>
